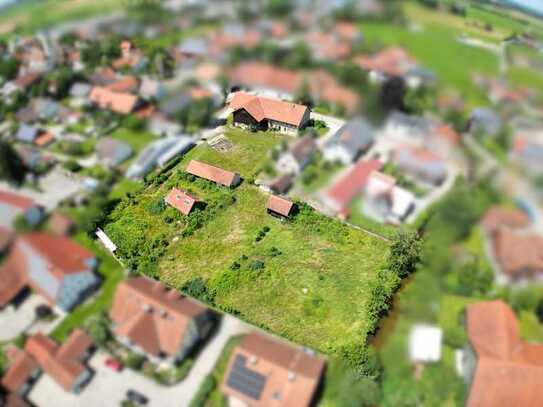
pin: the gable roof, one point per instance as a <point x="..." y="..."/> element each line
<point x="212" y="173"/>
<point x="258" y="74"/>
<point x="152" y="316"/>
<point x="508" y="370"/>
<point x="62" y="363"/>
<point x="261" y="108"/>
<point x="343" y="192"/>
<point x="280" y="205"/>
<point x="497" y="217"/>
<point x="123" y="103"/>
<point x="181" y="200"/>
<point x="21" y="368"/>
<point x="303" y="149"/>
<point x="286" y="375"/>
<point x="354" y="136"/>
<point x="518" y="253"/>
<point x="15" y="200"/>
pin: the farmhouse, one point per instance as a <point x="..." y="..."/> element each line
<point x="64" y="363"/>
<point x="264" y="113"/>
<point x="265" y="372"/>
<point x="214" y="174"/>
<point x="181" y="200"/>
<point x="502" y="368"/>
<point x="54" y="266"/>
<point x="279" y="206"/>
<point x="157" y="321"/>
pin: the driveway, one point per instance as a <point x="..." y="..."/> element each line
<point x="108" y="388"/>
<point x="54" y="187"/>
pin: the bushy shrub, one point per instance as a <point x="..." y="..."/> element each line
<point x="256" y="265"/>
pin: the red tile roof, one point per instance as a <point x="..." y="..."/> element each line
<point x="152" y="316"/>
<point x="212" y="173"/>
<point x="497" y="217"/>
<point x="509" y="371"/>
<point x="517" y="253"/>
<point x="21" y="368"/>
<point x="181" y="200"/>
<point x="261" y="108"/>
<point x="123" y="103"/>
<point x="63" y="254"/>
<point x="344" y="191"/>
<point x="279" y="205"/>
<point x="257" y="74"/>
<point x="392" y="61"/>
<point x="291" y="375"/>
<point x="11" y="199"/>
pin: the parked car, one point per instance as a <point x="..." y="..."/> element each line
<point x="136" y="397"/>
<point x="114" y="364"/>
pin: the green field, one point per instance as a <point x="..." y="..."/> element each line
<point x="307" y="279"/>
<point x="435" y="46"/>
<point x="136" y="139"/>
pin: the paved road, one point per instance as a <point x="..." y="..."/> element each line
<point x="108" y="388"/>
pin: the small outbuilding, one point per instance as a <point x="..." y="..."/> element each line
<point x="181" y="200"/>
<point x="425" y="344"/>
<point x="279" y="206"/>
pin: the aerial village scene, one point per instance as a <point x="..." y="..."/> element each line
<point x="271" y="203"/>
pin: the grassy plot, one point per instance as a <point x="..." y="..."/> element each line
<point x="307" y="279"/>
<point x="136" y="139"/>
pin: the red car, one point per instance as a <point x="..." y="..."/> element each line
<point x="114" y="364"/>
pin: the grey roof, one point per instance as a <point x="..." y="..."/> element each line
<point x="173" y="104"/>
<point x="303" y="149"/>
<point x="80" y="89"/>
<point x="434" y="169"/>
<point x="417" y="124"/>
<point x="27" y="133"/>
<point x="355" y="136"/>
<point x="486" y="120"/>
<point x="112" y="151"/>
<point x="195" y="46"/>
<point x="46" y="108"/>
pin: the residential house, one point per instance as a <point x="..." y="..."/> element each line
<point x="281" y="184"/>
<point x="499" y="217"/>
<point x="13" y="205"/>
<point x="421" y="164"/>
<point x="266" y="372"/>
<point x="64" y="363"/>
<point x="484" y="121"/>
<point x="341" y="194"/>
<point x="131" y="57"/>
<point x="56" y="267"/>
<point x="279" y="206"/>
<point x="157" y="321"/>
<point x="400" y="125"/>
<point x="122" y="103"/>
<point x="263" y="113"/>
<point x="191" y="50"/>
<point x="385" y="201"/>
<point x="327" y="46"/>
<point x="151" y="89"/>
<point x="500" y="367"/>
<point x="527" y="150"/>
<point x="389" y="62"/>
<point x="160" y="126"/>
<point x="181" y="200"/>
<point x="349" y="142"/>
<point x="112" y="152"/>
<point x="79" y="93"/>
<point x="215" y="174"/>
<point x="298" y="156"/>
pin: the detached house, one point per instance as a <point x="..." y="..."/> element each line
<point x="501" y="368"/>
<point x="13" y="205"/>
<point x="421" y="164"/>
<point x="55" y="267"/>
<point x="349" y="142"/>
<point x="266" y="372"/>
<point x="65" y="363"/>
<point x="118" y="102"/>
<point x="298" y="156"/>
<point x="157" y="321"/>
<point x="264" y="113"/>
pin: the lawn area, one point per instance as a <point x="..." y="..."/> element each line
<point x="436" y="47"/>
<point x="137" y="139"/>
<point x="307" y="279"/>
<point x="111" y="272"/>
<point x="123" y="187"/>
<point x="35" y="14"/>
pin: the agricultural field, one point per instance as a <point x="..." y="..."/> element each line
<point x="307" y="279"/>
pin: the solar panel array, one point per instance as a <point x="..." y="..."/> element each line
<point x="245" y="380"/>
